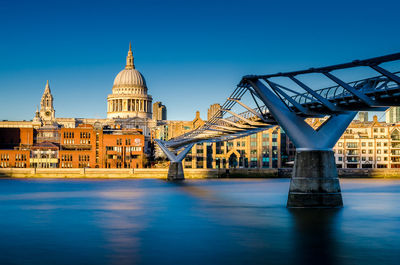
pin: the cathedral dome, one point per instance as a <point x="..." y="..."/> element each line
<point x="129" y="98"/>
<point x="129" y="78"/>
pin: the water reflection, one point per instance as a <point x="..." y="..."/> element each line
<point x="314" y="234"/>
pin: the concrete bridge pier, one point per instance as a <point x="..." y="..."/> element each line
<point x="175" y="170"/>
<point x="315" y="181"/>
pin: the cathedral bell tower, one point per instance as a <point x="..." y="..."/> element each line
<point x="47" y="112"/>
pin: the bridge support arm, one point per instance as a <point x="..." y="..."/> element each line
<point x="314" y="181"/>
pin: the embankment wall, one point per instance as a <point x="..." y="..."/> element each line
<point x="189" y="173"/>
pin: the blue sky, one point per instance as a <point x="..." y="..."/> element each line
<point x="192" y="53"/>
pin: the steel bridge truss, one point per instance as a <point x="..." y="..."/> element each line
<point x="289" y="106"/>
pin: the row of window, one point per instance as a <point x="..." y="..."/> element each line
<point x="127" y="141"/>
<point x="84" y="158"/>
<point x="69" y="135"/>
<point x="83" y="164"/>
<point x="364" y="151"/>
<point x="127" y="148"/>
<point x="20" y="157"/>
<point x="85" y="135"/>
<point x="356" y="159"/>
<point x="17" y="164"/>
<point x="66" y="165"/>
<point x="4" y="157"/>
<point x="66" y="157"/>
<point x="355" y="145"/>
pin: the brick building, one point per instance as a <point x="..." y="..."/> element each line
<point x="81" y="147"/>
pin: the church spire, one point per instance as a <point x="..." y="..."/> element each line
<point x="47" y="89"/>
<point x="129" y="58"/>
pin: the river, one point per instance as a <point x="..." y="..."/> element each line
<point x="228" y="221"/>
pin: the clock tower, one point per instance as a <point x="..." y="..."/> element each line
<point x="47" y="112"/>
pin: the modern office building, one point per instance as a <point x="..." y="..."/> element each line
<point x="363" y="116"/>
<point x="159" y="111"/>
<point x="392" y="115"/>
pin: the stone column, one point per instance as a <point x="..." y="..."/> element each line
<point x="314" y="182"/>
<point x="214" y="155"/>
<point x="204" y="155"/>
<point x="194" y="156"/>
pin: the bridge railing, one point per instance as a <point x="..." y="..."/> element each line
<point x="380" y="83"/>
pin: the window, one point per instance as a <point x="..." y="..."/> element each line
<point x="340" y="158"/>
<point x="363" y="144"/>
<point x="378" y="151"/>
<point x="378" y="158"/>
<point x="340" y="144"/>
<point x="352" y="145"/>
<point x="378" y="144"/>
<point x="382" y="130"/>
<point x="363" y="151"/>
<point x="375" y="130"/>
<point x="370" y="144"/>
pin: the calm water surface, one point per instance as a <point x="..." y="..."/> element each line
<point x="195" y="222"/>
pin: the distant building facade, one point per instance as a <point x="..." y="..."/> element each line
<point x="363" y="116"/>
<point x="122" y="140"/>
<point x="213" y="110"/>
<point x="267" y="149"/>
<point x="392" y="115"/>
<point x="159" y="111"/>
<point x="369" y="145"/>
<point x="81" y="147"/>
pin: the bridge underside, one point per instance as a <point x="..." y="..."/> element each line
<point x="314" y="182"/>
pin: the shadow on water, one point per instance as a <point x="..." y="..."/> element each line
<point x="314" y="236"/>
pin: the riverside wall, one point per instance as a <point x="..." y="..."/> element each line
<point x="189" y="173"/>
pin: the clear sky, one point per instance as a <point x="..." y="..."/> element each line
<point x="192" y="53"/>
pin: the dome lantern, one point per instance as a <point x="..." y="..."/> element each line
<point x="129" y="59"/>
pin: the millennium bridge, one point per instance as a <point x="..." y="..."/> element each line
<point x="287" y="99"/>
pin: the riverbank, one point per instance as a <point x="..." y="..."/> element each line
<point x="189" y="173"/>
